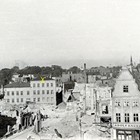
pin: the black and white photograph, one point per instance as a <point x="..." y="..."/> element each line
<point x="69" y="70"/>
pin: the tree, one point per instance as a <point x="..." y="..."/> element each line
<point x="46" y="70"/>
<point x="56" y="70"/>
<point x="31" y="70"/>
<point x="74" y="69"/>
<point x="15" y="69"/>
<point x="5" y="76"/>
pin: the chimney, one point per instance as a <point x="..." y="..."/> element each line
<point x="85" y="74"/>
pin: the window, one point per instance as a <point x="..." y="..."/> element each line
<point x="135" y="104"/>
<point x="21" y="99"/>
<point x="42" y="84"/>
<point x="21" y="92"/>
<point x="8" y="100"/>
<point x="38" y="92"/>
<point x="43" y="92"/>
<point x="47" y="84"/>
<point x="12" y="92"/>
<point x="47" y="99"/>
<point x="135" y="117"/>
<point x="38" y="99"/>
<point x="34" y="92"/>
<point x="27" y="99"/>
<point x="43" y="98"/>
<point x="117" y="103"/>
<point x="33" y="84"/>
<point x="47" y="91"/>
<point x="125" y="88"/>
<point x="34" y="99"/>
<point x="104" y="109"/>
<point x="51" y="91"/>
<point x="13" y="100"/>
<point x="51" y="99"/>
<point x="38" y="85"/>
<point x="17" y="100"/>
<point x="126" y="117"/>
<point x="126" y="103"/>
<point x="51" y="84"/>
<point x="28" y="92"/>
<point x="8" y="93"/>
<point x="17" y="92"/>
<point x="118" y="117"/>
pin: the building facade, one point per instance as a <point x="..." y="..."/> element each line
<point x="126" y="108"/>
<point x="104" y="103"/>
<point x="37" y="90"/>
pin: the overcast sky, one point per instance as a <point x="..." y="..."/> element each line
<point x="69" y="32"/>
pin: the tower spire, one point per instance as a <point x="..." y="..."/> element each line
<point x="131" y="61"/>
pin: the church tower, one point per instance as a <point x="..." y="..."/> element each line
<point x="131" y="61"/>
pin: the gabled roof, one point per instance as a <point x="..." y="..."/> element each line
<point x="135" y="75"/>
<point x="18" y="85"/>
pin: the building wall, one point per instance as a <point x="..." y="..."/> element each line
<point x="79" y="77"/>
<point x="44" y="92"/>
<point x="37" y="92"/>
<point x="104" y="99"/>
<point x="17" y="95"/>
<point x="91" y="78"/>
<point x="126" y="102"/>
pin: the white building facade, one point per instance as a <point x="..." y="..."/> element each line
<point x="126" y="108"/>
<point x="38" y="91"/>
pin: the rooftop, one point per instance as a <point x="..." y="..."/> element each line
<point x="18" y="85"/>
<point x="41" y="78"/>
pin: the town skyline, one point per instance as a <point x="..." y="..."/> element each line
<point x="70" y="63"/>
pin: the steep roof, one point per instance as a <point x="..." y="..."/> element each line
<point x="18" y="85"/>
<point x="136" y="76"/>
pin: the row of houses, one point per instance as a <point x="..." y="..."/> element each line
<point x="37" y="90"/>
<point x="119" y="105"/>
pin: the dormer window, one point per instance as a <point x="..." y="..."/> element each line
<point x="125" y="88"/>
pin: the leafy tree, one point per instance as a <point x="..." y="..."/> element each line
<point x="15" y="69"/>
<point x="46" y="70"/>
<point x="74" y="69"/>
<point x="5" y="76"/>
<point x="56" y="70"/>
<point x="31" y="70"/>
